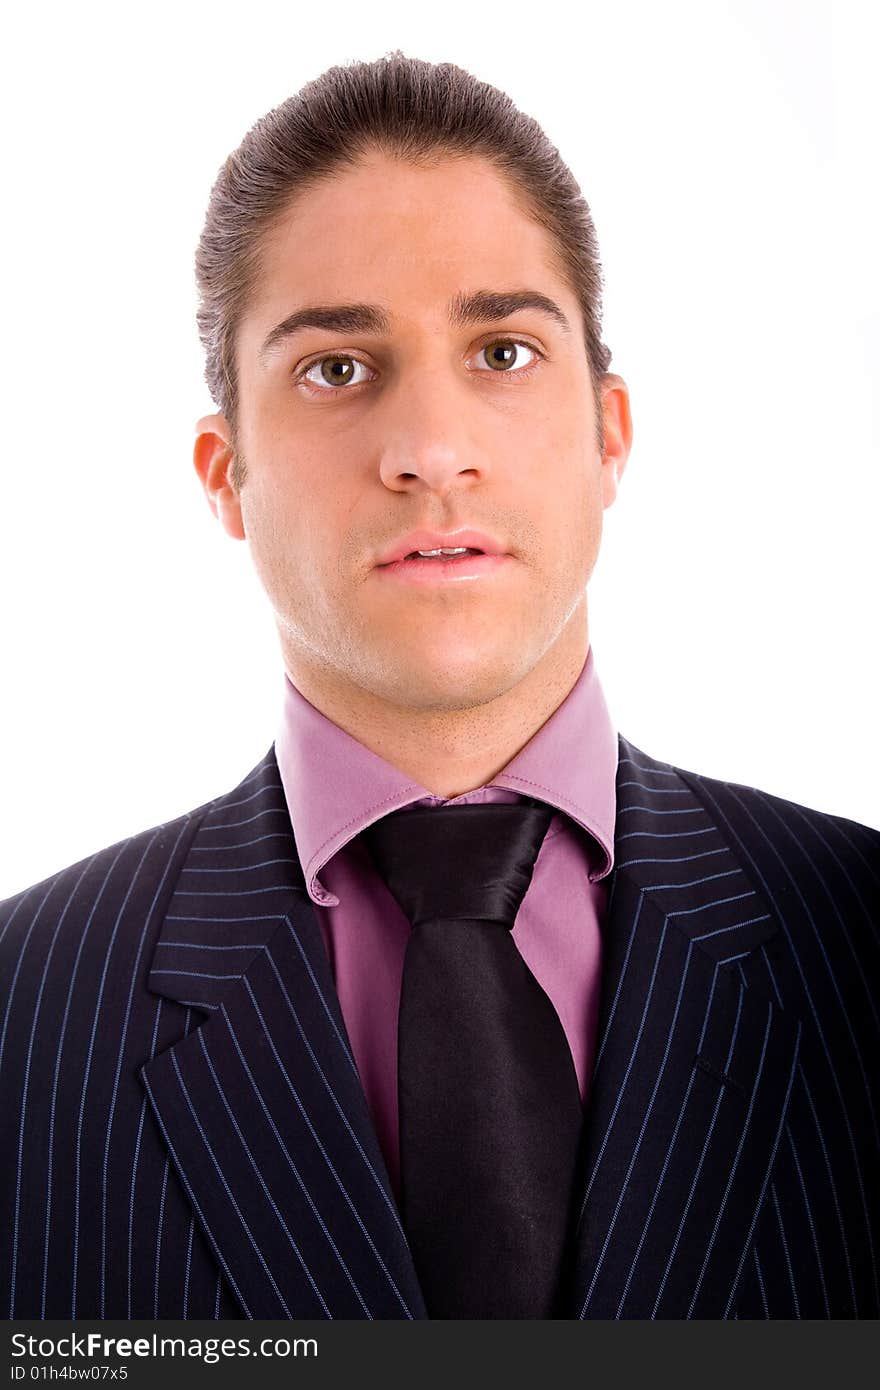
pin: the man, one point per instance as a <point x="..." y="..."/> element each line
<point x="459" y="1004"/>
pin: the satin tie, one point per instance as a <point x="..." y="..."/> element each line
<point x="490" y="1111"/>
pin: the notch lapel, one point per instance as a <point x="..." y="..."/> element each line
<point x="693" y="1071"/>
<point x="261" y="1106"/>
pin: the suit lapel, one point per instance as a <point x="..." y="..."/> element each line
<point x="692" y="1072"/>
<point x="261" y="1107"/>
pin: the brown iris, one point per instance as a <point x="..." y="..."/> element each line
<point x="500" y="355"/>
<point x="337" y="371"/>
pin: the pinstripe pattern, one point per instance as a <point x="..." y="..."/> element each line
<point x="184" y="1132"/>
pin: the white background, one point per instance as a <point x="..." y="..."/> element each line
<point x="728" y="152"/>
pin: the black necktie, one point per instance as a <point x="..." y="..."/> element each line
<point x="490" y="1112"/>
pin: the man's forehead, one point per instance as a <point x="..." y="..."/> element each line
<point x="363" y="253"/>
<point x="402" y="220"/>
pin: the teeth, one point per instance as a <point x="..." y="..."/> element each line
<point x="458" y="550"/>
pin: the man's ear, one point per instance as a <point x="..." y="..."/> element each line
<point x="618" y="431"/>
<point x="213" y="458"/>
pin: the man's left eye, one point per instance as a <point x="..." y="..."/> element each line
<point x="504" y="354"/>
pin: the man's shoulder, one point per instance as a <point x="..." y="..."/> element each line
<point x="763" y="809"/>
<point x="726" y="795"/>
<point x="93" y="882"/>
<point x="795" y="850"/>
<point x="818" y="876"/>
<point x="139" y="858"/>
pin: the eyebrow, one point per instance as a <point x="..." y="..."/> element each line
<point x="481" y="306"/>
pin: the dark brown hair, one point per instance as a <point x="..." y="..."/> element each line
<point x="418" y="111"/>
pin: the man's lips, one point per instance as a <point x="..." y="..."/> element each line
<point x="441" y="573"/>
<point x="434" y="540"/>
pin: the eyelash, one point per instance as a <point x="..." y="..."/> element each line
<point x="517" y="373"/>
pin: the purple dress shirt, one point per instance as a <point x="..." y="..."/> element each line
<point x="335" y="788"/>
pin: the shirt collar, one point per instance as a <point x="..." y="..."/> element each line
<point x="335" y="787"/>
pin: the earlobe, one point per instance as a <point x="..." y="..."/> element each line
<point x="213" y="459"/>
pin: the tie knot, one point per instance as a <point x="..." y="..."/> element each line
<point x="459" y="862"/>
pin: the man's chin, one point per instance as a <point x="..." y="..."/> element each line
<point x="454" y="685"/>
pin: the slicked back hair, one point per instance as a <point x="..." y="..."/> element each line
<point x="418" y="111"/>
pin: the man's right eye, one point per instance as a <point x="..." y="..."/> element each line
<point x="335" y="371"/>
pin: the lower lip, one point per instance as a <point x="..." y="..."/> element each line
<point x="455" y="570"/>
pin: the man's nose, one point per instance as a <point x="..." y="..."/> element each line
<point x="429" y="433"/>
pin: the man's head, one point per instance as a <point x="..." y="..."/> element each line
<point x="455" y="377"/>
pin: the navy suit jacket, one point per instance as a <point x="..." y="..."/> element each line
<point x="184" y="1132"/>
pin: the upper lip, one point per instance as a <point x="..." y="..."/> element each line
<point x="434" y="540"/>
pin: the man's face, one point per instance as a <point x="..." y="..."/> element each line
<point x="434" y="422"/>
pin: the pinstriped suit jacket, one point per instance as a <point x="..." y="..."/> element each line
<point x="184" y="1134"/>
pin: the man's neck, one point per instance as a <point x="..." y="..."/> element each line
<point x="450" y="751"/>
